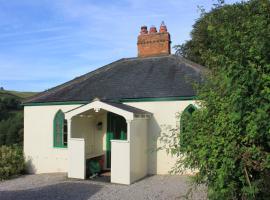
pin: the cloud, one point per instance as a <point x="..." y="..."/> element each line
<point x="42" y="30"/>
<point x="58" y="40"/>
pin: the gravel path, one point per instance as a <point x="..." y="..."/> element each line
<point x="57" y="186"/>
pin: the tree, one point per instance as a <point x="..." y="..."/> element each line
<point x="228" y="138"/>
<point x="11" y="120"/>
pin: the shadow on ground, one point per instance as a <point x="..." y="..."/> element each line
<point x="65" y="191"/>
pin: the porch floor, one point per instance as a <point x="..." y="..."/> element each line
<point x="105" y="177"/>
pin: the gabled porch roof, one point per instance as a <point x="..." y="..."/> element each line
<point x="128" y="157"/>
<point x="128" y="112"/>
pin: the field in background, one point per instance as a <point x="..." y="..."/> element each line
<point x="20" y="95"/>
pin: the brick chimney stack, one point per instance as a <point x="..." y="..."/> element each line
<point x="154" y="43"/>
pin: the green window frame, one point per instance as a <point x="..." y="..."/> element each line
<point x="60" y="130"/>
<point x="187" y="111"/>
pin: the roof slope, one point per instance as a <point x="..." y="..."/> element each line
<point x="153" y="77"/>
<point x="118" y="105"/>
<point x="128" y="108"/>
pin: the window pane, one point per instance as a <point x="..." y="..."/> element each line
<point x="65" y="138"/>
<point x="65" y="126"/>
<point x="59" y="129"/>
<point x="58" y="132"/>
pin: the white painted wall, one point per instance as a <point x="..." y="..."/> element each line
<point x="82" y="127"/>
<point x="40" y="154"/>
<point x="129" y="158"/>
<point x="42" y="157"/>
<point x="120" y="162"/>
<point x="138" y="149"/>
<point x="164" y="117"/>
<point x="100" y="135"/>
<point x="76" y="155"/>
<point x="85" y="127"/>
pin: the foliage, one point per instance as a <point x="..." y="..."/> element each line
<point x="11" y="161"/>
<point x="17" y="94"/>
<point x="11" y="119"/>
<point x="11" y="129"/>
<point x="228" y="139"/>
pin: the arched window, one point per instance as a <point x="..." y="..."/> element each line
<point x="60" y="130"/>
<point x="185" y="116"/>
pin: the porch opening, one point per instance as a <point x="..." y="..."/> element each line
<point x="97" y="129"/>
<point x="100" y="135"/>
<point x="116" y="130"/>
<point x="99" y="167"/>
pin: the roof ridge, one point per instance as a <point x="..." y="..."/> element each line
<point x="190" y="63"/>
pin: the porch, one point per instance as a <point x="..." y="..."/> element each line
<point x="113" y="135"/>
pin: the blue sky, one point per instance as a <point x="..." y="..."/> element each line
<point x="46" y="42"/>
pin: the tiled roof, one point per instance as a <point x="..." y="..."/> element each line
<point x="153" y="77"/>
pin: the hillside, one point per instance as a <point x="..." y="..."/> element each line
<point x="11" y="116"/>
<point x="20" y="95"/>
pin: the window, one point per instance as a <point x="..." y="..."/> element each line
<point x="65" y="136"/>
<point x="60" y="130"/>
<point x="186" y="114"/>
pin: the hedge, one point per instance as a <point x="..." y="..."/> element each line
<point x="11" y="161"/>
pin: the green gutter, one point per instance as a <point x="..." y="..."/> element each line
<point x="121" y="100"/>
<point x="158" y="99"/>
<point x="56" y="103"/>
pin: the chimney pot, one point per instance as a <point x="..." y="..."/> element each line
<point x="163" y="28"/>
<point x="144" y="30"/>
<point x="153" y="29"/>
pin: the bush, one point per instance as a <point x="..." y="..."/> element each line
<point x="11" y="161"/>
<point x="228" y="138"/>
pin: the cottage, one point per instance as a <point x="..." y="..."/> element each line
<point x="113" y="115"/>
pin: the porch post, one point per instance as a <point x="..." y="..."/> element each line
<point x="76" y="154"/>
<point x="128" y="129"/>
<point x="69" y="128"/>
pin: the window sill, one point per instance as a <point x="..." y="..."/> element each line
<point x="60" y="147"/>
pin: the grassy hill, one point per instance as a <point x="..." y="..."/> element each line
<point x="11" y="116"/>
<point x="20" y="95"/>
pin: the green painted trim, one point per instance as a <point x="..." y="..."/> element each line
<point x="159" y="99"/>
<point x="56" y="103"/>
<point x="186" y="110"/>
<point x="60" y="147"/>
<point x="109" y="136"/>
<point x="114" y="122"/>
<point x="58" y="130"/>
<point x="121" y="100"/>
<point x="188" y="107"/>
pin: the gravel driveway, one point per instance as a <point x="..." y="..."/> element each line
<point x="57" y="186"/>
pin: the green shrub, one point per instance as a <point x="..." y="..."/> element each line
<point x="228" y="138"/>
<point x="11" y="161"/>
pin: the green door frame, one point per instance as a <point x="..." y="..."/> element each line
<point x="116" y="129"/>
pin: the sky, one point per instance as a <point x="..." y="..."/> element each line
<point x="44" y="43"/>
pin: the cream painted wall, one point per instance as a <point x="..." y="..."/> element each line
<point x="100" y="135"/>
<point x="40" y="154"/>
<point x="42" y="157"/>
<point x="76" y="158"/>
<point x="85" y="127"/>
<point x="120" y="162"/>
<point x="138" y="149"/>
<point x="164" y="117"/>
